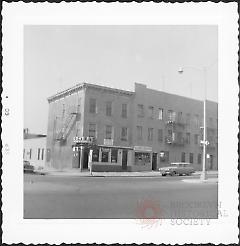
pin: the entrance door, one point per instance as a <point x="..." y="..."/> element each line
<point x="154" y="161"/>
<point x="211" y="162"/>
<point x="76" y="158"/>
<point x="124" y="159"/>
<point x="85" y="159"/>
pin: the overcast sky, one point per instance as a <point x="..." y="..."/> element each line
<point x="58" y="57"/>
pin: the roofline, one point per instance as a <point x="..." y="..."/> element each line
<point x="87" y="85"/>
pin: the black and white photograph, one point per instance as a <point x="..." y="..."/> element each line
<point x="129" y="114"/>
<point x="123" y="122"/>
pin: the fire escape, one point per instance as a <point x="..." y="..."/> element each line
<point x="175" y="127"/>
<point x="66" y="127"/>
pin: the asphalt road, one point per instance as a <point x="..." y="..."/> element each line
<point x="117" y="197"/>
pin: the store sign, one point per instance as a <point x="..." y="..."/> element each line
<point x="108" y="142"/>
<point x="142" y="148"/>
<point x="83" y="139"/>
<point x="105" y="149"/>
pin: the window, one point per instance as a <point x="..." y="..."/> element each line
<point x="160" y="135"/>
<point x="179" y="116"/>
<point x="188" y="117"/>
<point x="93" y="106"/>
<point x="92" y="130"/>
<point x="124" y="110"/>
<point x="140" y="110"/>
<point x="42" y="154"/>
<point x="160" y="114"/>
<point x="171" y="115"/>
<point x="150" y="134"/>
<point x="183" y="157"/>
<point x="196" y="120"/>
<point x="108" y="132"/>
<point x="30" y="154"/>
<point x="151" y="112"/>
<point x="196" y="139"/>
<point x="191" y="158"/>
<point x="170" y="133"/>
<point x="23" y="153"/>
<point x="179" y="137"/>
<point x="124" y="133"/>
<point x="39" y="154"/>
<point x="105" y="153"/>
<point x="199" y="159"/>
<point x="95" y="155"/>
<point x="108" y="108"/>
<point x="114" y="154"/>
<point x="139" y="132"/>
<point x="188" y="137"/>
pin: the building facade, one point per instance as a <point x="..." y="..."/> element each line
<point x="34" y="149"/>
<point x="134" y="131"/>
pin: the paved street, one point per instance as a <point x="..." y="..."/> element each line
<point x="118" y="197"/>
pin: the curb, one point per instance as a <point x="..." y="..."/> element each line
<point x="199" y="181"/>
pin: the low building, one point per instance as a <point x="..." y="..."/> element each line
<point x="135" y="131"/>
<point x="34" y="149"/>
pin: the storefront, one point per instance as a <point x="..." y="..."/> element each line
<point x="142" y="158"/>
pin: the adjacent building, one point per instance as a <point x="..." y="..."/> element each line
<point x="135" y="131"/>
<point x="34" y="149"/>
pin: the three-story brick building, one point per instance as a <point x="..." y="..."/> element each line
<point x="135" y="131"/>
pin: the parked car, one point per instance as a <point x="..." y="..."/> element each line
<point x="177" y="168"/>
<point x="27" y="167"/>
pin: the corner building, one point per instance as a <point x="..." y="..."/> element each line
<point x="133" y="131"/>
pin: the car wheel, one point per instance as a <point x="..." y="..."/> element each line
<point x="173" y="173"/>
<point x="163" y="174"/>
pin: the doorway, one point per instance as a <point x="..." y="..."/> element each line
<point x="154" y="161"/>
<point x="85" y="159"/>
<point x="211" y="162"/>
<point x="124" y="159"/>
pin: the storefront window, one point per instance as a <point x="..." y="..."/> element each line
<point x="105" y="152"/>
<point x="142" y="159"/>
<point x="95" y="155"/>
<point x="114" y="154"/>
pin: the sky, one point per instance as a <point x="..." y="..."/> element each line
<point x="59" y="57"/>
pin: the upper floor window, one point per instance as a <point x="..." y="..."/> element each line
<point x="188" y="117"/>
<point x="183" y="157"/>
<point x="196" y="120"/>
<point x="42" y="154"/>
<point x="180" y="116"/>
<point x="140" y="110"/>
<point x="171" y="115"/>
<point x="151" y="112"/>
<point x="108" y="108"/>
<point x="160" y="114"/>
<point x="124" y="110"/>
<point x="39" y="153"/>
<point x="124" y="134"/>
<point x="109" y="132"/>
<point x="139" y="132"/>
<point x="92" y="106"/>
<point x="150" y="134"/>
<point x="92" y="130"/>
<point x="196" y="138"/>
<point x="188" y="137"/>
<point x="160" y="135"/>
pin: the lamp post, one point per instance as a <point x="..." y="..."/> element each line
<point x="203" y="70"/>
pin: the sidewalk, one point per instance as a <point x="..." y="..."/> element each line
<point x="77" y="172"/>
<point x="198" y="181"/>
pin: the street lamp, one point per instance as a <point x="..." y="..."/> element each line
<point x="204" y="142"/>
